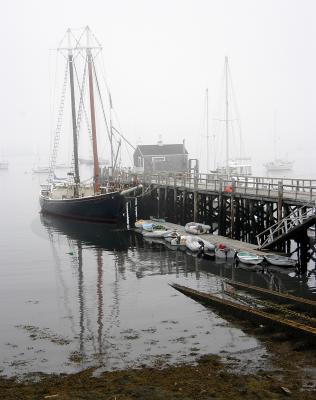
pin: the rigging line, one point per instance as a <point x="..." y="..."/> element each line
<point x="81" y="100"/>
<point x="102" y="105"/>
<point x="128" y="153"/>
<point x="81" y="104"/>
<point x="84" y="110"/>
<point x="54" y="153"/>
<point x="62" y="39"/>
<point x="52" y="99"/>
<point x="234" y="99"/>
<point x="133" y="147"/>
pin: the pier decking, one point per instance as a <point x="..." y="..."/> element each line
<point x="241" y="210"/>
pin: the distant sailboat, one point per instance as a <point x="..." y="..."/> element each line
<point x="278" y="164"/>
<point x="239" y="165"/>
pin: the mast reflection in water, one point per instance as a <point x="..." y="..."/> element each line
<point x="121" y="311"/>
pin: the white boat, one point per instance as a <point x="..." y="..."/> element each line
<point x="179" y="241"/>
<point x="279" y="165"/>
<point x="280" y="261"/>
<point x="225" y="252"/>
<point x="159" y="233"/>
<point x="196" y="228"/>
<point x="172" y="235"/>
<point x="249" y="258"/>
<point x="195" y="243"/>
<point x="236" y="162"/>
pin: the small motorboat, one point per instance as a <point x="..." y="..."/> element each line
<point x="172" y="235"/>
<point x="249" y="258"/>
<point x="196" y="228"/>
<point x="179" y="241"/>
<point x="280" y="261"/>
<point x="195" y="243"/>
<point x="222" y="251"/>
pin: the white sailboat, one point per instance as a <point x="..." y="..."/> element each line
<point x="278" y="164"/>
<point x="241" y="165"/>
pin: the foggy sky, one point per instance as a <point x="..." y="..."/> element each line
<point x="160" y="56"/>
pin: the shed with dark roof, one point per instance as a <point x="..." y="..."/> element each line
<point x="152" y="158"/>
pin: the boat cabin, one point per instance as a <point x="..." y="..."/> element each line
<point x="151" y="159"/>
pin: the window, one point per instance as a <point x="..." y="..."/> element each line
<point x="140" y="161"/>
<point x="159" y="159"/>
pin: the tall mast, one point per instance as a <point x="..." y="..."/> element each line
<point x="73" y="114"/>
<point x="207" y="135"/>
<point x="96" y="167"/>
<point x="275" y="133"/>
<point x="226" y="115"/>
<point x="111" y="135"/>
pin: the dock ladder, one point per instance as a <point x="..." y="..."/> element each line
<point x="299" y="220"/>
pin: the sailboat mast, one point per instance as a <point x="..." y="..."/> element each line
<point x="207" y="134"/>
<point x="275" y="133"/>
<point x="96" y="167"/>
<point x="226" y="115"/>
<point x="111" y="136"/>
<point x="73" y="114"/>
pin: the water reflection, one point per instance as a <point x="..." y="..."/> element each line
<point x="120" y="308"/>
<point x="107" y="237"/>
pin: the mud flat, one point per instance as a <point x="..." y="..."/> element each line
<point x="292" y="375"/>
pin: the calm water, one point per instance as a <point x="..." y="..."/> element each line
<point x="76" y="294"/>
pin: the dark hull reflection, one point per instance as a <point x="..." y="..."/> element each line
<point x="107" y="237"/>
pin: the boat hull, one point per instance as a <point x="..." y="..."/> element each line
<point x="101" y="208"/>
<point x="280" y="261"/>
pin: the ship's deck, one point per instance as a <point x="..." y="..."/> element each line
<point x="67" y="192"/>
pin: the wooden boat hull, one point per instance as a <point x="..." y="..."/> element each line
<point x="101" y="208"/>
<point x="250" y="313"/>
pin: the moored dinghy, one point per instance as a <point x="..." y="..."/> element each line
<point x="196" y="228"/>
<point x="156" y="233"/>
<point x="222" y="251"/>
<point x="249" y="258"/>
<point x="280" y="261"/>
<point x="195" y="243"/>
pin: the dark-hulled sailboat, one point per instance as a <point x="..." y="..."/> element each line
<point x="72" y="198"/>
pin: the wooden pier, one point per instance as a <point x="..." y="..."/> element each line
<point x="240" y="208"/>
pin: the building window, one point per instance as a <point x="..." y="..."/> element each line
<point x="159" y="159"/>
<point x="140" y="161"/>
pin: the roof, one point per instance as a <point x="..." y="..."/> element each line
<point x="162" y="150"/>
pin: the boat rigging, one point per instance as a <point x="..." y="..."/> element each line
<point x="102" y="201"/>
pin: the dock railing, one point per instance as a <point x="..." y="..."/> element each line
<point x="294" y="189"/>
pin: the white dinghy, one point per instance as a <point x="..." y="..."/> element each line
<point x="249" y="258"/>
<point x="280" y="261"/>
